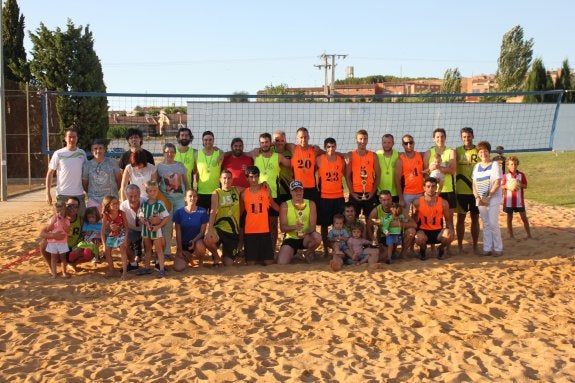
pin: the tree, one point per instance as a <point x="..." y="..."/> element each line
<point x="536" y="81"/>
<point x="451" y="84"/>
<point x="15" y="63"/>
<point x="239" y="97"/>
<point x="65" y="61"/>
<point x="514" y="60"/>
<point x="563" y="81"/>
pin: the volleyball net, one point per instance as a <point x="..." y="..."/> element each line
<point x="500" y="118"/>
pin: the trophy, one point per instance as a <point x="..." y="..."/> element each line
<point x="363" y="176"/>
<point x="376" y="222"/>
<point x="299" y="206"/>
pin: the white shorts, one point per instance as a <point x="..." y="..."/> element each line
<point x="57" y="248"/>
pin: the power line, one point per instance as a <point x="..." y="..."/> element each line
<point x="325" y="56"/>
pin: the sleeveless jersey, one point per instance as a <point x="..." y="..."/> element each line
<point x="466" y="160"/>
<point x="303" y="164"/>
<point x="387" y="175"/>
<point x="382" y="215"/>
<point x="189" y="161"/>
<point x="228" y="213"/>
<point x="208" y="172"/>
<point x="256" y="205"/>
<point x="292" y="215"/>
<point x="412" y="173"/>
<point x="365" y="164"/>
<point x="331" y="177"/>
<point x="269" y="171"/>
<point x="448" y="182"/>
<point x="430" y="217"/>
<point x="285" y="176"/>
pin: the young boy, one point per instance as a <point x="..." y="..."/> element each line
<point x="153" y="216"/>
<point x="513" y="184"/>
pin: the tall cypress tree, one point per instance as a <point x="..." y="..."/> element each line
<point x="563" y="81"/>
<point x="65" y="61"/>
<point x="15" y="63"/>
<point x="536" y="80"/>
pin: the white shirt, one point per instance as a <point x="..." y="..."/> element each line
<point x="68" y="166"/>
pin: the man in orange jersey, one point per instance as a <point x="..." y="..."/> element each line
<point x="257" y="200"/>
<point x="431" y="212"/>
<point x="331" y="171"/>
<point x="362" y="175"/>
<point x="409" y="173"/>
<point x="298" y="220"/>
<point x="303" y="163"/>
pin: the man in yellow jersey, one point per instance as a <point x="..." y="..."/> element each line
<point x="298" y="220"/>
<point x="447" y="167"/>
<point x="286" y="173"/>
<point x="387" y="157"/>
<point x="208" y="168"/>
<point x="185" y="154"/>
<point x="466" y="158"/>
<point x="256" y="203"/>
<point x="362" y="175"/>
<point x="431" y="212"/>
<point x="223" y="225"/>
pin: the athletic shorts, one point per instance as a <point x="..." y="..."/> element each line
<point x="271" y="211"/>
<point x="135" y="242"/>
<point x="466" y="203"/>
<point x="363" y="205"/>
<point x="311" y="194"/>
<point x="57" y="248"/>
<point x="205" y="201"/>
<point x="450" y="198"/>
<point x="409" y="198"/>
<point x="510" y="210"/>
<point x="229" y="242"/>
<point x="432" y="236"/>
<point x="258" y="247"/>
<point x="327" y="208"/>
<point x="295" y="244"/>
<point x="393" y="239"/>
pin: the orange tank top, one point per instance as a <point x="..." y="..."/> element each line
<point x="430" y="217"/>
<point x="412" y="173"/>
<point x="256" y="205"/>
<point x="331" y="177"/>
<point x="366" y="165"/>
<point x="303" y="164"/>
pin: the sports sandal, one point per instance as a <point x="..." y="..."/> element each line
<point x="144" y="271"/>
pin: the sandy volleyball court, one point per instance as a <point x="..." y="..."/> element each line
<point x="463" y="319"/>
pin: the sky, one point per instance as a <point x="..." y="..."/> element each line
<point x="222" y="47"/>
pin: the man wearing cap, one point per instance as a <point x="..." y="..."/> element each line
<point x="298" y="220"/>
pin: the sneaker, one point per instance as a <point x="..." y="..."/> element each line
<point x="143" y="271"/>
<point x="162" y="274"/>
<point x="157" y="265"/>
<point x="440" y="252"/>
<point x="95" y="259"/>
<point x="498" y="253"/>
<point x="486" y="253"/>
<point x="422" y="253"/>
<point x="132" y="267"/>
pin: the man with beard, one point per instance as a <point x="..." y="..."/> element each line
<point x="208" y="170"/>
<point x="286" y="173"/>
<point x="185" y="154"/>
<point x="387" y="158"/>
<point x="237" y="162"/>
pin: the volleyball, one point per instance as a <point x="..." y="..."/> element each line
<point x="512" y="184"/>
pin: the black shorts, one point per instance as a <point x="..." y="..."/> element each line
<point x="272" y="212"/>
<point x="312" y="194"/>
<point x="466" y="203"/>
<point x="229" y="242"/>
<point x="450" y="198"/>
<point x="511" y="210"/>
<point x="135" y="242"/>
<point x="295" y="244"/>
<point x="205" y="201"/>
<point x="432" y="236"/>
<point x="258" y="247"/>
<point x="327" y="208"/>
<point x="365" y="205"/>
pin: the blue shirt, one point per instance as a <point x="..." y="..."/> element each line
<point x="190" y="223"/>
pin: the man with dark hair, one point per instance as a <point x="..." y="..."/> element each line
<point x="387" y="158"/>
<point x="466" y="158"/>
<point x="431" y="212"/>
<point x="208" y="170"/>
<point x="185" y="154"/>
<point x="237" y="162"/>
<point x="135" y="138"/>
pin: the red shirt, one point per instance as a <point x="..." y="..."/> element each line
<point x="238" y="166"/>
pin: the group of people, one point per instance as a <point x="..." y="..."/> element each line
<point x="230" y="205"/>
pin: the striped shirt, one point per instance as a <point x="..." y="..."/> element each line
<point x="485" y="178"/>
<point x="513" y="198"/>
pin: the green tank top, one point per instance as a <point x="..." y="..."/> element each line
<point x="285" y="176"/>
<point x="269" y="171"/>
<point x="228" y="213"/>
<point x="189" y="160"/>
<point x="466" y="160"/>
<point x="448" y="182"/>
<point x="387" y="176"/>
<point x="292" y="218"/>
<point x="208" y="172"/>
<point x="382" y="215"/>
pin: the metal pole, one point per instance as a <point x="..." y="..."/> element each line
<point x="28" y="137"/>
<point x="3" y="175"/>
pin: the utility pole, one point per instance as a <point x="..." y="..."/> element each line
<point x="3" y="167"/>
<point x="326" y="88"/>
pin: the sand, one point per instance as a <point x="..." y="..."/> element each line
<point x="464" y="319"/>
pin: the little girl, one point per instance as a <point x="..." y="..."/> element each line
<point x="89" y="246"/>
<point x="338" y="236"/>
<point x="114" y="229"/>
<point x="57" y="248"/>
<point x="357" y="245"/>
<point x="391" y="227"/>
<point x="437" y="174"/>
<point x="153" y="215"/>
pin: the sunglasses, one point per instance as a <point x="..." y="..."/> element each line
<point x="408" y="142"/>
<point x="72" y="206"/>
